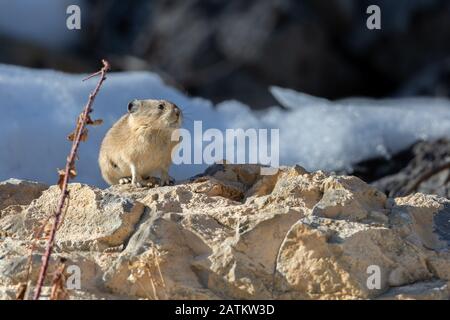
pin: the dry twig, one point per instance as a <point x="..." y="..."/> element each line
<point x="80" y="134"/>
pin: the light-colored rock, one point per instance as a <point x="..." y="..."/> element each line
<point x="325" y="258"/>
<point x="424" y="219"/>
<point x="232" y="233"/>
<point x="94" y="219"/>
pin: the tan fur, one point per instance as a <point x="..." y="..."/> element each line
<point x="139" y="144"/>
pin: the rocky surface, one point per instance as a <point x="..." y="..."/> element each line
<point x="16" y="194"/>
<point x="426" y="170"/>
<point x="236" y="49"/>
<point x="234" y="234"/>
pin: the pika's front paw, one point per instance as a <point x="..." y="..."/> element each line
<point x="126" y="180"/>
<point x="151" y="182"/>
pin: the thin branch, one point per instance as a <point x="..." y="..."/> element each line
<point x="65" y="177"/>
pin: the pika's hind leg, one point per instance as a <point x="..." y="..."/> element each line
<point x="166" y="180"/>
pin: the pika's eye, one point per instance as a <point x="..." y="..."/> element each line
<point x="161" y="107"/>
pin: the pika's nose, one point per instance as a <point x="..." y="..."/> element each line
<point x="177" y="111"/>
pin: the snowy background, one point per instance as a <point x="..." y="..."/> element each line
<point x="38" y="109"/>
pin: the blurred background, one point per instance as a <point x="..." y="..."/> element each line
<point x="233" y="49"/>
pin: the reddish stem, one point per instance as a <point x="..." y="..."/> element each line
<point x="64" y="190"/>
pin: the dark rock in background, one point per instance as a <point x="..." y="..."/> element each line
<point x="433" y="80"/>
<point x="231" y="49"/>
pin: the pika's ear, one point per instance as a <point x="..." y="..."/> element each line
<point x="133" y="106"/>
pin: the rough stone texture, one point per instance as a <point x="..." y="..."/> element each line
<point x="231" y="233"/>
<point x="426" y="170"/>
<point x="236" y="49"/>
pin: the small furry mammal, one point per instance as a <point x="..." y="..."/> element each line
<point x="139" y="144"/>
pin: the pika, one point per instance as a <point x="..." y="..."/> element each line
<point x="140" y="144"/>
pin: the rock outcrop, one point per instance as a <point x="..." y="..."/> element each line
<point x="235" y="234"/>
